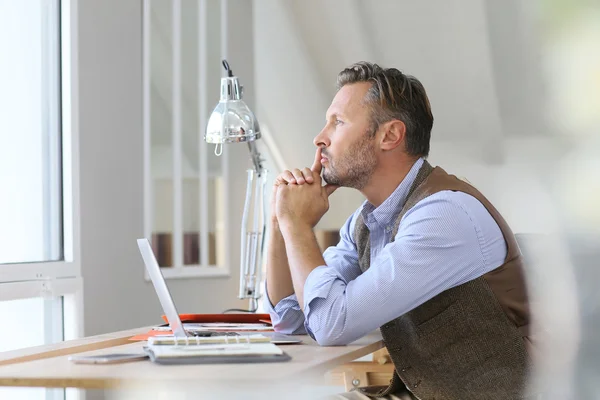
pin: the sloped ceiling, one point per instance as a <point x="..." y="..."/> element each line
<point x="301" y="46"/>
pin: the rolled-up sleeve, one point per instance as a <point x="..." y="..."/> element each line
<point x="323" y="288"/>
<point x="325" y="284"/>
<point x="341" y="265"/>
<point x="286" y="316"/>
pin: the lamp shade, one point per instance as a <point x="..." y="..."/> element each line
<point x="231" y="120"/>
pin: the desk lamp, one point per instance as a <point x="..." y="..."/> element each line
<point x="230" y="122"/>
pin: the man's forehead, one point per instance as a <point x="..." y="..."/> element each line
<point x="349" y="99"/>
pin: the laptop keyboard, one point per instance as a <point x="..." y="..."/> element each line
<point x="210" y="333"/>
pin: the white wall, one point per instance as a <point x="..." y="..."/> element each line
<point x="110" y="80"/>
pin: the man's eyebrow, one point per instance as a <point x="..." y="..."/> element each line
<point x="334" y="114"/>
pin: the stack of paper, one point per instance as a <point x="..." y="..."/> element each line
<point x="215" y="350"/>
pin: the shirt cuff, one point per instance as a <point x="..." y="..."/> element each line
<point x="286" y="316"/>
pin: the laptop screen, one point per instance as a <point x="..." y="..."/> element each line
<point x="160" y="286"/>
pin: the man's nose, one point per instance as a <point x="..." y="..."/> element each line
<point x="322" y="139"/>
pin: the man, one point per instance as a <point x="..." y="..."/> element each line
<point x="426" y="258"/>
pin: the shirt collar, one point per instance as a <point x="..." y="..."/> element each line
<point x="385" y="214"/>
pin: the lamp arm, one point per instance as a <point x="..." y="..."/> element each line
<point x="257" y="159"/>
<point x="253" y="230"/>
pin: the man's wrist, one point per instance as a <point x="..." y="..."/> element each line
<point x="290" y="228"/>
<point x="274" y="226"/>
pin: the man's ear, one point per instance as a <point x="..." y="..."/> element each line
<point x="393" y="134"/>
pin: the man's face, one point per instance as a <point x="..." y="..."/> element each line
<point x="347" y="140"/>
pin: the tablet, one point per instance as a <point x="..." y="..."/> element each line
<point x="114" y="358"/>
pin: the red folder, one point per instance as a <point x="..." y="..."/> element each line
<point x="198" y="318"/>
<point x="230" y="318"/>
<point x="145" y="336"/>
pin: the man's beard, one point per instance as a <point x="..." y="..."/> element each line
<point x="354" y="168"/>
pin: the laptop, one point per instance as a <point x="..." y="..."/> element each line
<point x="164" y="296"/>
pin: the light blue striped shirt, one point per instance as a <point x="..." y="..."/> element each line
<point x="445" y="240"/>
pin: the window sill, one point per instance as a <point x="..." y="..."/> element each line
<point x="192" y="271"/>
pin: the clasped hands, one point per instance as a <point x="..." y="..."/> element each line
<point x="299" y="197"/>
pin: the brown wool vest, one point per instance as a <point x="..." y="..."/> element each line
<point x="467" y="342"/>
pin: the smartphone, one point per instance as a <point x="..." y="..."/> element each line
<point x="108" y="358"/>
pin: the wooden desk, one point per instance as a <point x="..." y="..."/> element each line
<point x="50" y="367"/>
<point x="69" y="347"/>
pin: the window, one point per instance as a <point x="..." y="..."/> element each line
<point x="185" y="183"/>
<point x="40" y="284"/>
<point x="30" y="206"/>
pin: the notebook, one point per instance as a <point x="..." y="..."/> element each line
<point x="208" y="340"/>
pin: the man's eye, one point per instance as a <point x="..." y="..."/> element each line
<point x="338" y="122"/>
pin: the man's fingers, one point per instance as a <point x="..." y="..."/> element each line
<point x="329" y="189"/>
<point x="286" y="177"/>
<point x="299" y="176"/>
<point x="308" y="175"/>
<point x="316" y="167"/>
<point x="296" y="176"/>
